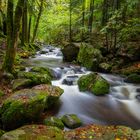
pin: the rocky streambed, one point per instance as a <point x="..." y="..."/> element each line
<point x="50" y="84"/>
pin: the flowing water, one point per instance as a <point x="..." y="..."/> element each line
<point x="121" y="106"/>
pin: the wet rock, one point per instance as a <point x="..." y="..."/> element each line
<point x="27" y="105"/>
<point x="43" y="52"/>
<point x="138" y="97"/>
<point x="21" y="83"/>
<point x="70" y="52"/>
<point x="133" y="78"/>
<point x="36" y="78"/>
<point x="70" y="80"/>
<point x="89" y="57"/>
<point x="34" y="132"/>
<point x="53" y="121"/>
<point x="138" y="90"/>
<point x="71" y="121"/>
<point x="59" y="54"/>
<point x="94" y="83"/>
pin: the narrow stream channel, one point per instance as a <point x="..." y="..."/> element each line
<point x="120" y="107"/>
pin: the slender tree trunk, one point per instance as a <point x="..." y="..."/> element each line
<point x="83" y="18"/>
<point x="91" y="16"/>
<point x="70" y="26"/>
<point x="24" y="24"/>
<point x="38" y="19"/>
<point x="13" y="28"/>
<point x="105" y="13"/>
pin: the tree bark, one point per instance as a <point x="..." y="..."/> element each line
<point x="13" y="27"/>
<point x="37" y="22"/>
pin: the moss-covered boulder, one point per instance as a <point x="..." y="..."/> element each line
<point x="89" y="57"/>
<point x="105" y="67"/>
<point x="34" y="132"/>
<point x="133" y="78"/>
<point x="21" y="83"/>
<point x="54" y="93"/>
<point x="70" y="52"/>
<point x="53" y="121"/>
<point x="36" y="78"/>
<point x="27" y="105"/>
<point x="43" y="70"/>
<point x="71" y="121"/>
<point x="94" y="83"/>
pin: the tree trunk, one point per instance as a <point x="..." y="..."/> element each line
<point x="70" y="26"/>
<point x="24" y="24"/>
<point x="13" y="27"/>
<point x="91" y="16"/>
<point x="38" y="19"/>
<point x="83" y="18"/>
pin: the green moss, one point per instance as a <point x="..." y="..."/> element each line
<point x="100" y="87"/>
<point x="21" y="83"/>
<point x="53" y="121"/>
<point x="133" y="78"/>
<point x="1" y="132"/>
<point x="35" y="132"/>
<point x="86" y="81"/>
<point x="36" y="78"/>
<point x="43" y="70"/>
<point x="94" y="83"/>
<point x="71" y="121"/>
<point x="89" y="57"/>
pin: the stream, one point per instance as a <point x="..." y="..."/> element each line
<point x="120" y="107"/>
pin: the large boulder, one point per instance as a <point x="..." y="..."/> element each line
<point x="53" y="121"/>
<point x="34" y="132"/>
<point x="89" y="57"/>
<point x="36" y="78"/>
<point x="94" y="83"/>
<point x="21" y="83"/>
<point x="133" y="78"/>
<point x="70" y="52"/>
<point x="27" y="105"/>
<point x="71" y="121"/>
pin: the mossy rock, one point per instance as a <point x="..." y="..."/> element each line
<point x="89" y="57"/>
<point x="100" y="86"/>
<point x="34" y="132"/>
<point x="42" y="70"/>
<point x="94" y="83"/>
<point x="21" y="83"/>
<point x="53" y="121"/>
<point x="133" y="78"/>
<point x="27" y="105"/>
<point x="36" y="78"/>
<point x="71" y="121"/>
<point x="105" y="67"/>
<point x="86" y="81"/>
<point x="70" y="52"/>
